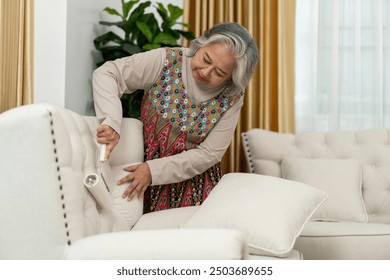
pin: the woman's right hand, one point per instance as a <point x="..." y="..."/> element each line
<point x="107" y="135"/>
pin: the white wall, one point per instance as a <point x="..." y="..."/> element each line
<point x="64" y="53"/>
<point x="49" y="51"/>
<point x="81" y="57"/>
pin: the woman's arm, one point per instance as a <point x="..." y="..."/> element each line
<point x="124" y="75"/>
<point x="113" y="79"/>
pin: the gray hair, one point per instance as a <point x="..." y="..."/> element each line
<point x="240" y="43"/>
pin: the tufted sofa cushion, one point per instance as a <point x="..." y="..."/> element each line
<point x="339" y="178"/>
<point x="265" y="151"/>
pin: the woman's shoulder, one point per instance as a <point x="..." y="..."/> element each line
<point x="153" y="54"/>
<point x="162" y="53"/>
<point x="183" y="51"/>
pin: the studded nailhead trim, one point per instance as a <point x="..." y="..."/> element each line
<point x="59" y="180"/>
<point x="248" y="152"/>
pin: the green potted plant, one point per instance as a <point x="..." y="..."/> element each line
<point x="141" y="32"/>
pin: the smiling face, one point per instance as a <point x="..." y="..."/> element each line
<point x="213" y="65"/>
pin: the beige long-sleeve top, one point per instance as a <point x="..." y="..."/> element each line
<point x="139" y="71"/>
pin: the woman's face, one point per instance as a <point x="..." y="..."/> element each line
<point x="213" y="65"/>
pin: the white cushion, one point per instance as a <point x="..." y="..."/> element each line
<point x="168" y="244"/>
<point x="344" y="241"/>
<point x="271" y="212"/>
<point x="339" y="178"/>
<point x="165" y="219"/>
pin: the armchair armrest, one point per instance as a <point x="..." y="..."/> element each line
<point x="169" y="244"/>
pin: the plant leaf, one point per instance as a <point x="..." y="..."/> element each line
<point x="112" y="52"/>
<point x="131" y="104"/>
<point x="130" y="24"/>
<point x="108" y="23"/>
<point x="112" y="11"/>
<point x="152" y="23"/>
<point x="162" y="11"/>
<point x="127" y="6"/>
<point x="183" y="24"/>
<point x="145" y="30"/>
<point x="186" y="34"/>
<point x="105" y="38"/>
<point x="148" y="47"/>
<point x="131" y="48"/>
<point x="175" y="13"/>
<point x="138" y="12"/>
<point x="165" y="39"/>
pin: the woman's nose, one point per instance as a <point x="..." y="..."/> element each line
<point x="206" y="71"/>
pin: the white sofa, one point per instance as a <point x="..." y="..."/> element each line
<point x="48" y="210"/>
<point x="352" y="167"/>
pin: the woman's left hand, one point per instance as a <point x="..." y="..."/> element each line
<point x="139" y="180"/>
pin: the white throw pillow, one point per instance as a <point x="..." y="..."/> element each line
<point x="339" y="178"/>
<point x="270" y="211"/>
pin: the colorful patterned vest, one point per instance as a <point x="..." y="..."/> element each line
<point x="174" y="122"/>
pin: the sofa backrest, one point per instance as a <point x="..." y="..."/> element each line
<point x="265" y="150"/>
<point x="46" y="153"/>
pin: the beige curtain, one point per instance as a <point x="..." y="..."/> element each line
<point x="269" y="98"/>
<point x="16" y="50"/>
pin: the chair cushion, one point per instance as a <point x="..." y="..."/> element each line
<point x="168" y="244"/>
<point x="344" y="241"/>
<point x="165" y="219"/>
<point x="339" y="178"/>
<point x="271" y="212"/>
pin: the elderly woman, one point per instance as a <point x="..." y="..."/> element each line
<point x="190" y="110"/>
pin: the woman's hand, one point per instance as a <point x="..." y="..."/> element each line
<point x="107" y="135"/>
<point x="139" y="180"/>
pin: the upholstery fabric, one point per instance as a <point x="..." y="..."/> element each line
<point x="174" y="218"/>
<point x="165" y="219"/>
<point x="53" y="149"/>
<point x="265" y="151"/>
<point x="169" y="244"/>
<point x="339" y="178"/>
<point x="344" y="241"/>
<point x="271" y="212"/>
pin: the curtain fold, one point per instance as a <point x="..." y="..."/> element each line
<point x="16" y="50"/>
<point x="269" y="98"/>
